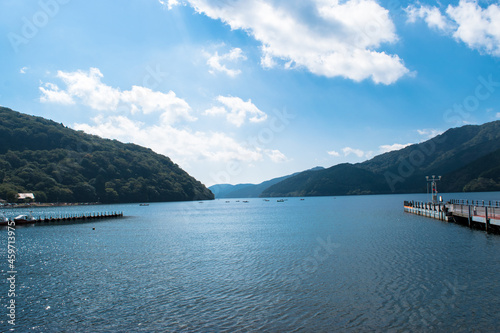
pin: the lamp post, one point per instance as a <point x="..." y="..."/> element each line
<point x="433" y="182"/>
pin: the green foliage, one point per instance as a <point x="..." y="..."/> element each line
<point x="342" y="179"/>
<point x="468" y="159"/>
<point x="59" y="164"/>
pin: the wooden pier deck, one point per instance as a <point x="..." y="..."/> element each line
<point x="66" y="218"/>
<point x="484" y="215"/>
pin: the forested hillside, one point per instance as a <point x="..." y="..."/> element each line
<point x="467" y="158"/>
<point x="59" y="164"/>
<point x="248" y="190"/>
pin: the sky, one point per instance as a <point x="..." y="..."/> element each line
<point x="242" y="91"/>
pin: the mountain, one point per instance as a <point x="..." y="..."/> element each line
<point x="59" y="164"/>
<point x="467" y="158"/>
<point x="247" y="190"/>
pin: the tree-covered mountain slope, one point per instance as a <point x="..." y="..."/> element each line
<point x="247" y="190"/>
<point x="467" y="158"/>
<point x="59" y="164"/>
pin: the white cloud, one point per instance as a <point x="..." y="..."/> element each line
<point x="52" y="94"/>
<point x="333" y="153"/>
<point x="276" y="156"/>
<point x="174" y="108"/>
<point x="216" y="111"/>
<point x="23" y="70"/>
<point x="327" y="37"/>
<point x="237" y="111"/>
<point x="477" y="27"/>
<point x="169" y="3"/>
<point x="348" y="151"/>
<point x="497" y="115"/>
<point x="182" y="145"/>
<point x="216" y="62"/>
<point x="429" y="133"/>
<point x="396" y="146"/>
<point x="431" y="15"/>
<point x="87" y="88"/>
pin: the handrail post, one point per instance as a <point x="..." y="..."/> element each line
<point x="487" y="222"/>
<point x="469" y="219"/>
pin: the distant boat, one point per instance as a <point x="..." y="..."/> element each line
<point x="228" y="201"/>
<point x="144" y="204"/>
<point x="245" y="201"/>
<point x="302" y="199"/>
<point x="24" y="219"/>
<point x="280" y="200"/>
<point x="266" y="200"/>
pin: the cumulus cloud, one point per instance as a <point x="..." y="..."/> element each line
<point x="329" y="38"/>
<point x="395" y="146"/>
<point x="88" y="89"/>
<point x="141" y="98"/>
<point x="276" y="156"/>
<point x="429" y="133"/>
<point x="183" y="145"/>
<point x="217" y="62"/>
<point x="52" y="94"/>
<point x="237" y="111"/>
<point x="477" y="27"/>
<point x="431" y="15"/>
<point x="348" y="151"/>
<point x="333" y="153"/>
<point x="23" y="70"/>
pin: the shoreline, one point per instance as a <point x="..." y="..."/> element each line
<point x="44" y="205"/>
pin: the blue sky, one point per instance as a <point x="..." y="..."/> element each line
<point x="243" y="91"/>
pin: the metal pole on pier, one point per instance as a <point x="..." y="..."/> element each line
<point x="433" y="181"/>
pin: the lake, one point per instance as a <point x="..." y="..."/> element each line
<point x="356" y="263"/>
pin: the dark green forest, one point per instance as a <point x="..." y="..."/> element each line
<point x="467" y="158"/>
<point x="59" y="164"/>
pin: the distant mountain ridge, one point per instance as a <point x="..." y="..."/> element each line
<point x="59" y="164"/>
<point x="467" y="158"/>
<point x="248" y="190"/>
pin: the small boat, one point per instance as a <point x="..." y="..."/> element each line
<point x="144" y="204"/>
<point x="24" y="219"/>
<point x="245" y="201"/>
<point x="280" y="200"/>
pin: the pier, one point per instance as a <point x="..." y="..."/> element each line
<point x="64" y="218"/>
<point x="483" y="215"/>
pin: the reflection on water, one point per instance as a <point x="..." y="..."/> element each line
<point x="321" y="264"/>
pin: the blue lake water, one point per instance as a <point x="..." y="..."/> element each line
<point x="319" y="265"/>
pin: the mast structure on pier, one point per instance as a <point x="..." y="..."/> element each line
<point x="433" y="182"/>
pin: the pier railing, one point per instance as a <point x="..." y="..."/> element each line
<point x="474" y="213"/>
<point x="65" y="218"/>
<point x="491" y="212"/>
<point x="429" y="209"/>
<point x="483" y="203"/>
